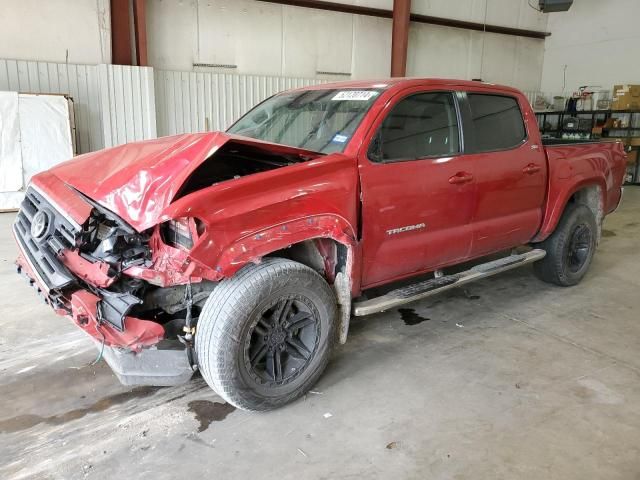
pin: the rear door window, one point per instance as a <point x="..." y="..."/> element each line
<point x="497" y="122"/>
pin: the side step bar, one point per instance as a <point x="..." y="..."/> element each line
<point x="426" y="288"/>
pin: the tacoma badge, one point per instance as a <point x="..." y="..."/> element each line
<point x="406" y="228"/>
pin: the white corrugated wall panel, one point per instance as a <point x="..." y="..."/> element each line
<point x="116" y="104"/>
<point x="204" y="101"/>
<point x="127" y="99"/>
<point x="113" y="104"/>
<point x="77" y="81"/>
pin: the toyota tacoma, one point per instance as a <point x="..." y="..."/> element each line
<point x="244" y="254"/>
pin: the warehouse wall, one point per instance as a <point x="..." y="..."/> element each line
<point x="73" y="31"/>
<point x="594" y="43"/>
<point x="267" y="39"/>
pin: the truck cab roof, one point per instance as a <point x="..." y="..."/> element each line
<point x="399" y="83"/>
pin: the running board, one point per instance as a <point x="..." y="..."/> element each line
<point x="426" y="288"/>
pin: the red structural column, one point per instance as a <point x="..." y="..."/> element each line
<point x="140" y="28"/>
<point x="400" y="37"/>
<point x="120" y="33"/>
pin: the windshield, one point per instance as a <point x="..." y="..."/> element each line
<point x="317" y="120"/>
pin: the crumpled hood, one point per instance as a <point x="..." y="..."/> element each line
<point x="137" y="181"/>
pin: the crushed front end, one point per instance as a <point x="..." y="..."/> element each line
<point x="135" y="293"/>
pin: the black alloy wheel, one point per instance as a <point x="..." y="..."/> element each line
<point x="282" y="342"/>
<point x="265" y="335"/>
<point x="569" y="248"/>
<point x="579" y="246"/>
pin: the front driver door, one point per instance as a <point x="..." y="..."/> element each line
<point x="418" y="188"/>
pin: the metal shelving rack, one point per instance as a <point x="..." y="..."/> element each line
<point x="551" y="124"/>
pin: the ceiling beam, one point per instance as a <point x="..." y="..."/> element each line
<point x="383" y="13"/>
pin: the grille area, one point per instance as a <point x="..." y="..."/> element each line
<point x="41" y="243"/>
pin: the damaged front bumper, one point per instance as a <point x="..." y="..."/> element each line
<point x="161" y="368"/>
<point x="143" y="361"/>
<point x="135" y="354"/>
<point x="134" y="348"/>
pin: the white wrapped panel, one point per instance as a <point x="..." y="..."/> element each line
<point x="45" y="132"/>
<point x="80" y="82"/>
<point x="35" y="134"/>
<point x="10" y="157"/>
<point x="10" y="200"/>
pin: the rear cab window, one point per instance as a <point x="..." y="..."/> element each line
<point x="496" y="121"/>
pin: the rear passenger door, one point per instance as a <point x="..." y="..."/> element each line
<point x="417" y="188"/>
<point x="510" y="171"/>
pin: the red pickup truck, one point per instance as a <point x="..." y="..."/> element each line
<point x="244" y="254"/>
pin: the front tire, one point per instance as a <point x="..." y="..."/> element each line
<point x="264" y="336"/>
<point x="569" y="248"/>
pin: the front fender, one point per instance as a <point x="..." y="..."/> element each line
<point x="251" y="248"/>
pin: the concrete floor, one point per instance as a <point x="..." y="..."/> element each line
<point x="510" y="378"/>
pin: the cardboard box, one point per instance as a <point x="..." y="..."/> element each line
<point x="632" y="157"/>
<point x="626" y="97"/>
<point x="634" y="141"/>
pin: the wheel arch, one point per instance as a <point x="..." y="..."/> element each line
<point x="325" y="243"/>
<point x="589" y="192"/>
<point x="334" y="261"/>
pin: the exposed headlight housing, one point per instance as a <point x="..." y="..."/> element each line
<point x="181" y="232"/>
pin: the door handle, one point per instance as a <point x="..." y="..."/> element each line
<point x="460" y="177"/>
<point x="531" y="169"/>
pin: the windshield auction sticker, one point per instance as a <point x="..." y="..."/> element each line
<point x="361" y="95"/>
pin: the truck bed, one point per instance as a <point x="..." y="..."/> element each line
<point x="567" y="141"/>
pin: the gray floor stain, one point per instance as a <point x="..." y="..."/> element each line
<point x="24" y="422"/>
<point x="207" y="412"/>
<point x="410" y="316"/>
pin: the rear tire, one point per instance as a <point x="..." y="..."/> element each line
<point x="569" y="248"/>
<point x="264" y="336"/>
